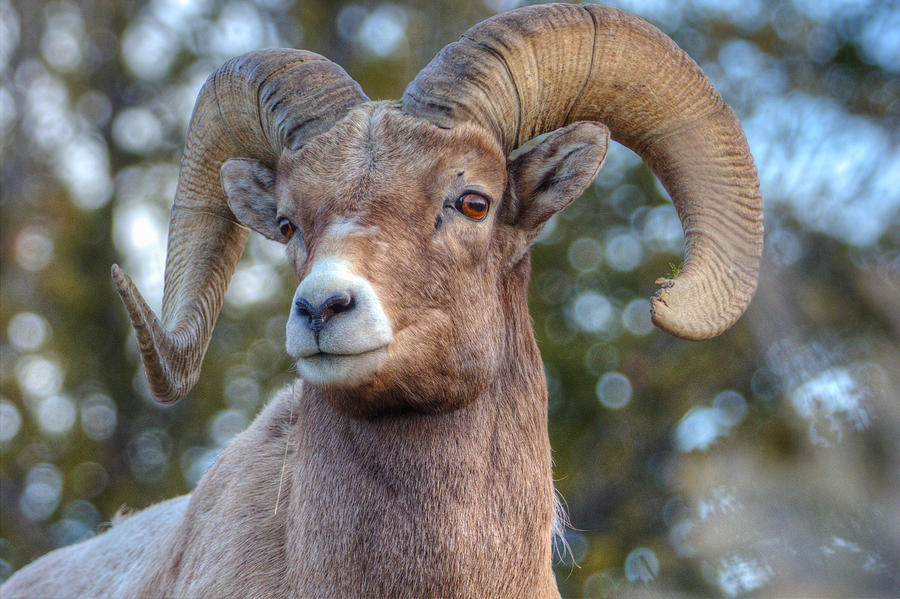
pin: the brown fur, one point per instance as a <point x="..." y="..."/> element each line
<point x="430" y="479"/>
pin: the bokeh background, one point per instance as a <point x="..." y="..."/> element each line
<point x="762" y="463"/>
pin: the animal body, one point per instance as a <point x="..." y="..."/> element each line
<point x="413" y="448"/>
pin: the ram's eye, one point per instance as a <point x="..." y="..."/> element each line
<point x="287" y="227"/>
<point x="472" y="205"/>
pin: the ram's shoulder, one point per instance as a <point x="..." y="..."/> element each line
<point x="107" y="565"/>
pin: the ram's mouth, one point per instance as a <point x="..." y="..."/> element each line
<point x="341" y="370"/>
<point x="328" y="354"/>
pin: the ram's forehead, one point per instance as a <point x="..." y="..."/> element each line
<point x="378" y="144"/>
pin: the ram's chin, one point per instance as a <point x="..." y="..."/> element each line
<point x="341" y="370"/>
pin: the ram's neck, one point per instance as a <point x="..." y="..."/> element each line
<point x="422" y="505"/>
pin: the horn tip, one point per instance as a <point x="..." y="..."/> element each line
<point x="116" y="273"/>
<point x="122" y="282"/>
<point x="150" y="335"/>
<point x="675" y="310"/>
<point x="129" y="294"/>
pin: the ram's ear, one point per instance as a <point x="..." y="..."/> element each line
<point x="250" y="190"/>
<point x="547" y="178"/>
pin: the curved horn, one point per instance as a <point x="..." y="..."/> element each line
<point x="254" y="106"/>
<point x="535" y="69"/>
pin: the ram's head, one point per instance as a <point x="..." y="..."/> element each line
<point x="407" y="224"/>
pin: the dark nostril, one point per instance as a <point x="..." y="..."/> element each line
<point x="341" y="302"/>
<point x="303" y="308"/>
<point x="317" y="317"/>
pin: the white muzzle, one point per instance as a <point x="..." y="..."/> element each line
<point x="337" y="330"/>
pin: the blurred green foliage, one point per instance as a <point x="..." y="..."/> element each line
<point x="762" y="462"/>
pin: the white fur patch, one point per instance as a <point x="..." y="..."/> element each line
<point x="349" y="227"/>
<point x="351" y="344"/>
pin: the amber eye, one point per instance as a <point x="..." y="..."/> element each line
<point x="472" y="205"/>
<point x="287" y="227"/>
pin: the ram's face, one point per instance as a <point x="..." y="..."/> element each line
<point x="403" y="236"/>
<point x="393" y="259"/>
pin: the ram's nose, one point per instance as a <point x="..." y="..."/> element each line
<point x="317" y="315"/>
<point x="335" y="312"/>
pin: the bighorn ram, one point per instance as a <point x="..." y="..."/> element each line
<point x="415" y="448"/>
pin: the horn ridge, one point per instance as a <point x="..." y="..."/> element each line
<point x="532" y="70"/>
<point x="256" y="106"/>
